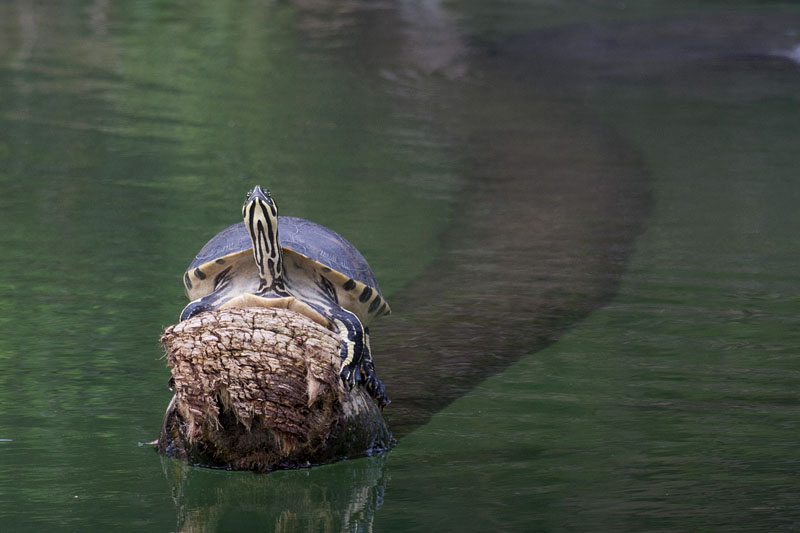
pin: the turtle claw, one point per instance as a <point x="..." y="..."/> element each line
<point x="348" y="377"/>
<point x="373" y="385"/>
<point x="366" y="376"/>
<point x="377" y="390"/>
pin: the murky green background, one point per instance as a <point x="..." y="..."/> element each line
<point x="584" y="215"/>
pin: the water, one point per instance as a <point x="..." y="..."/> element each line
<point x="583" y="214"/>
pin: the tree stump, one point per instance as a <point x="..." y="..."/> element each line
<point x="259" y="389"/>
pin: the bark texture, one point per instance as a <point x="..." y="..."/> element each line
<point x="259" y="389"/>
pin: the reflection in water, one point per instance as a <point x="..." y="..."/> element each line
<point x="654" y="52"/>
<point x="549" y="212"/>
<point x="791" y="53"/>
<point x="300" y="500"/>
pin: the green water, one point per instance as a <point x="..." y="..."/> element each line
<point x="583" y="213"/>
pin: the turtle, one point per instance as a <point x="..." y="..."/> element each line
<point x="278" y="261"/>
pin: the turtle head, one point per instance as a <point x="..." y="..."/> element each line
<point x="260" y="216"/>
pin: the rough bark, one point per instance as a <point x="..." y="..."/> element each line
<point x="259" y="389"/>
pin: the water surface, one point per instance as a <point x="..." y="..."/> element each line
<point x="584" y="215"/>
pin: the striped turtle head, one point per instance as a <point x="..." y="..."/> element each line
<point x="260" y="216"/>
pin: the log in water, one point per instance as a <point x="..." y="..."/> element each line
<point x="259" y="389"/>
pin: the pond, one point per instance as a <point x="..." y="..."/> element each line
<point x="584" y="215"/>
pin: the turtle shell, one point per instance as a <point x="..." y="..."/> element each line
<point x="311" y="251"/>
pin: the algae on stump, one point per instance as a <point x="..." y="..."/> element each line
<point x="259" y="389"/>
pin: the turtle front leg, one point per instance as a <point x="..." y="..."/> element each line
<point x="352" y="347"/>
<point x="356" y="357"/>
<point x="206" y="303"/>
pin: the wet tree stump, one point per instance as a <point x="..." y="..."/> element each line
<point x="259" y="389"/>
